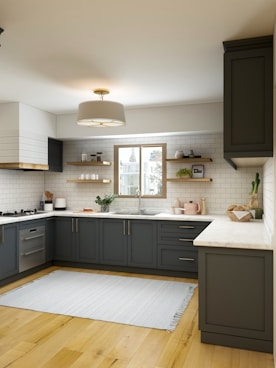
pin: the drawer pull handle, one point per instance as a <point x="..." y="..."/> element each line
<point x="186" y="259"/>
<point x="185" y="239"/>
<point x="33" y="251"/>
<point x="34" y="237"/>
<point x="186" y="227"/>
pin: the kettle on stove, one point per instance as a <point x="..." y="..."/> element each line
<point x="192" y="208"/>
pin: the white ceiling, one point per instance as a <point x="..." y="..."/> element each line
<point x="147" y="52"/>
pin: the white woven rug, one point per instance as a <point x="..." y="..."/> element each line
<point x="129" y="300"/>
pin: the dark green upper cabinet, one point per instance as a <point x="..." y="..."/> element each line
<point x="55" y="155"/>
<point x="248" y="99"/>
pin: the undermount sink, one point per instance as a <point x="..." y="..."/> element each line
<point x="137" y="213"/>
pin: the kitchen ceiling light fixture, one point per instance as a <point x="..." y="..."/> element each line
<point x="100" y="114"/>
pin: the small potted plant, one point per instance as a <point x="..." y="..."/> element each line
<point x="184" y="173"/>
<point x="105" y="202"/>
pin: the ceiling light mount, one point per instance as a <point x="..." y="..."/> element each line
<point x="101" y="113"/>
<point x="101" y="92"/>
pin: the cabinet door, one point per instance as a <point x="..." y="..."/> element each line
<point x="113" y="242"/>
<point x="55" y="155"/>
<point x="64" y="239"/>
<point x="248" y="91"/>
<point x="50" y="238"/>
<point x="142" y="243"/>
<point x="235" y="297"/>
<point x="87" y="243"/>
<point x="8" y="250"/>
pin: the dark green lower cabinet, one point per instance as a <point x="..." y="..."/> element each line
<point x="236" y="298"/>
<point x="8" y="250"/>
<point x="128" y="242"/>
<point x="76" y="239"/>
<point x="142" y="246"/>
<point x="50" y="238"/>
<point x="113" y="240"/>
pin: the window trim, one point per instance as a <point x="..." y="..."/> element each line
<point x="164" y="169"/>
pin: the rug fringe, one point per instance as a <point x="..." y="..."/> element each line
<point x="178" y="314"/>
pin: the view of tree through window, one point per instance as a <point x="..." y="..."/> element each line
<point x="140" y="168"/>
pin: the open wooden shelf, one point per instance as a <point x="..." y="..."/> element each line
<point x="90" y="163"/>
<point x="185" y="180"/>
<point x="189" y="160"/>
<point x="101" y="181"/>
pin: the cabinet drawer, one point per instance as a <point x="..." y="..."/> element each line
<point x="179" y="233"/>
<point x="177" y="259"/>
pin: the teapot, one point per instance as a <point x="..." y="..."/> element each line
<point x="191" y="208"/>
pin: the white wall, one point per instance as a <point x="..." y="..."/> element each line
<point x="151" y="120"/>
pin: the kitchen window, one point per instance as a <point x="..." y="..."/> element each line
<point x="140" y="169"/>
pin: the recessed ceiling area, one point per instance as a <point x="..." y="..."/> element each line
<point x="147" y="53"/>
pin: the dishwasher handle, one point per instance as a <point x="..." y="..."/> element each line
<point x="34" y="237"/>
<point x="33" y="251"/>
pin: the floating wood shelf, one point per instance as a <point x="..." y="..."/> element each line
<point x="101" y="181"/>
<point x="179" y="180"/>
<point x="189" y="160"/>
<point x="90" y="163"/>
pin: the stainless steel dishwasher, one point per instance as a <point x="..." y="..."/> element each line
<point x="32" y="245"/>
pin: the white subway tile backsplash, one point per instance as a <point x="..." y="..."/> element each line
<point x="228" y="186"/>
<point x="19" y="189"/>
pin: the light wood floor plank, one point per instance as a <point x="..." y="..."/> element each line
<point x="41" y="340"/>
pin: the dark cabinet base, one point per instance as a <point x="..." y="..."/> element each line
<point x="236" y="298"/>
<point x="237" y="342"/>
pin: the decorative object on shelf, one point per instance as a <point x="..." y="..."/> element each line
<point x="101" y="113"/>
<point x="99" y="156"/>
<point x="184" y="173"/>
<point x="105" y="202"/>
<point x="179" y="154"/>
<point x="198" y="171"/>
<point x="203" y="206"/>
<point x="83" y="157"/>
<point x="191" y="154"/>
<point x="254" y="203"/>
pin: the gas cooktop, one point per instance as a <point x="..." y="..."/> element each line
<point x="21" y="213"/>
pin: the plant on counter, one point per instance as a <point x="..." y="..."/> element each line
<point x="255" y="184"/>
<point x="254" y="203"/>
<point x="106" y="201"/>
<point x="184" y="173"/>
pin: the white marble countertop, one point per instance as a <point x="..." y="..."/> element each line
<point x="222" y="232"/>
